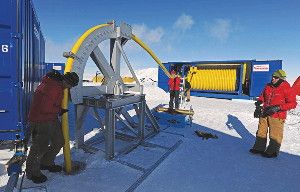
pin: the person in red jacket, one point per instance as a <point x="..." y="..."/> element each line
<point x="45" y="127"/>
<point x="174" y="87"/>
<point x="277" y="98"/>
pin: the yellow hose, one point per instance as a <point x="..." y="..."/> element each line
<point x="144" y="46"/>
<point x="218" y="79"/>
<point x="68" y="68"/>
<point x="64" y="105"/>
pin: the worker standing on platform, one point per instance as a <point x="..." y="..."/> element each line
<point x="174" y="87"/>
<point x="187" y="84"/>
<point x="45" y="127"/>
<point x="187" y="89"/>
<point x="277" y="98"/>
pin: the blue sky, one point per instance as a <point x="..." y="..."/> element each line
<point x="182" y="30"/>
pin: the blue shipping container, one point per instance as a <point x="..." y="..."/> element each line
<point x="60" y="67"/>
<point x="22" y="59"/>
<point x="261" y="74"/>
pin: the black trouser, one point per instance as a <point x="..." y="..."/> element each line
<point x="47" y="140"/>
<point x="174" y="95"/>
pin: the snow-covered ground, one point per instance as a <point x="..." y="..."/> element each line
<point x="178" y="160"/>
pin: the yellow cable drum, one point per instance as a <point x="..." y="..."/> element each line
<point x="213" y="77"/>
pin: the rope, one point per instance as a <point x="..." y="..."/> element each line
<point x="293" y="123"/>
<point x="21" y="184"/>
<point x="294" y="113"/>
<point x="41" y="187"/>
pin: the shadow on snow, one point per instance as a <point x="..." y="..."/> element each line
<point x="224" y="164"/>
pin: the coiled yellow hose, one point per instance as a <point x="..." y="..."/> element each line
<point x="213" y="79"/>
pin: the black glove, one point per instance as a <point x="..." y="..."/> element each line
<point x="258" y="112"/>
<point x="258" y="103"/>
<point x="62" y="111"/>
<point x="270" y="110"/>
<point x="258" y="109"/>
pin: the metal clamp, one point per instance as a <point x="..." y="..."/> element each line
<point x="69" y="54"/>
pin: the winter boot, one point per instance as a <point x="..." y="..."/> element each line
<point x="267" y="155"/>
<point x="254" y="151"/>
<point x="272" y="150"/>
<point x="51" y="168"/>
<point x="260" y="144"/>
<point x="37" y="179"/>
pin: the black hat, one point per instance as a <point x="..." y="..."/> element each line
<point x="71" y="78"/>
<point x="53" y="74"/>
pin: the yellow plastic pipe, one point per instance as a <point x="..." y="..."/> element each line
<point x="65" y="101"/>
<point x="213" y="79"/>
<point x="68" y="68"/>
<point x="144" y="46"/>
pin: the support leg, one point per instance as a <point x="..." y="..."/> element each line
<point x="141" y="132"/>
<point x="110" y="133"/>
<point x="81" y="112"/>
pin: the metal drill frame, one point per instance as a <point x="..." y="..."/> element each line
<point x="109" y="96"/>
<point x="113" y="83"/>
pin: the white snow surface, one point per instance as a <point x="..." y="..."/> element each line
<point x="176" y="160"/>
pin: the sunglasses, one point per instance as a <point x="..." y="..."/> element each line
<point x="275" y="77"/>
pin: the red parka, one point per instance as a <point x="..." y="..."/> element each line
<point x="283" y="96"/>
<point x="46" y="103"/>
<point x="174" y="84"/>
